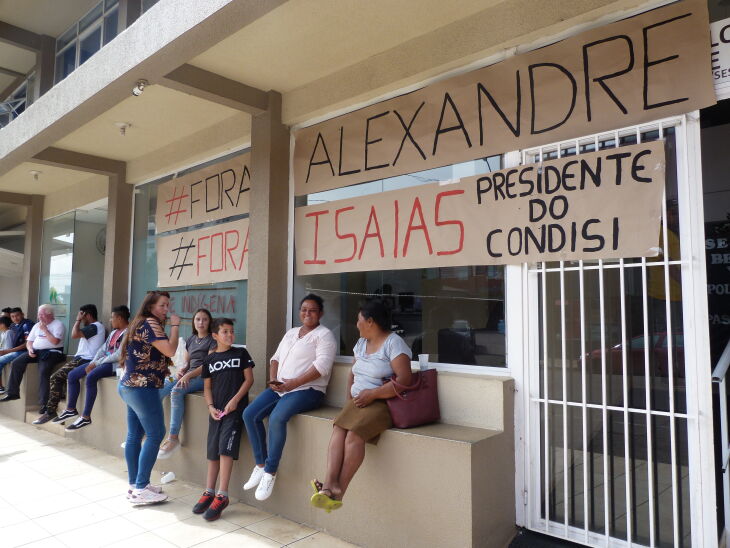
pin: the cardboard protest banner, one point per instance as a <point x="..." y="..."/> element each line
<point x="212" y="193"/>
<point x="650" y="66"/>
<point x="603" y="204"/>
<point x="214" y="254"/>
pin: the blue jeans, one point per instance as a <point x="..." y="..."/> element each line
<point x="74" y="378"/>
<point x="144" y="417"/>
<point x="280" y="409"/>
<point x="6" y="359"/>
<point x="177" y="400"/>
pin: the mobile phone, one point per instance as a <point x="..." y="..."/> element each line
<point x="276" y="383"/>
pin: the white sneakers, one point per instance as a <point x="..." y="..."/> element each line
<point x="263" y="480"/>
<point x="263" y="491"/>
<point x="149" y="495"/>
<point x="255" y="478"/>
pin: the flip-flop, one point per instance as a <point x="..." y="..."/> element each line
<point x="320" y="500"/>
<point x="316" y="485"/>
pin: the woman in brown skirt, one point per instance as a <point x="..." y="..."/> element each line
<point x="378" y="354"/>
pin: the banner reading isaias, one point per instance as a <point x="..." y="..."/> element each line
<point x="214" y="254"/>
<point x="593" y="206"/>
<point x="647" y="67"/>
<point x="212" y="193"/>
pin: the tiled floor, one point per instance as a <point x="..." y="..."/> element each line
<point x="59" y="494"/>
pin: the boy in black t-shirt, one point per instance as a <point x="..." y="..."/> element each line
<point x="227" y="377"/>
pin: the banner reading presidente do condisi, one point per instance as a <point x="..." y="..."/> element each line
<point x="653" y="65"/>
<point x="209" y="255"/>
<point x="593" y="206"/>
<point x="215" y="192"/>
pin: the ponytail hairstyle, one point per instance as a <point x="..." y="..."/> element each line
<point x="378" y="311"/>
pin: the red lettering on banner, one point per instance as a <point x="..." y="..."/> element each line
<point x="421" y="226"/>
<point x="232" y="248"/>
<point x="212" y="252"/>
<point x="199" y="247"/>
<point x="451" y="222"/>
<point x="345" y="236"/>
<point x="316" y="215"/>
<point x="368" y="234"/>
<point x="244" y="251"/>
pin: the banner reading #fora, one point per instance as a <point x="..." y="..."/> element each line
<point x="215" y="254"/>
<point x="594" y="206"/>
<point x="215" y="192"/>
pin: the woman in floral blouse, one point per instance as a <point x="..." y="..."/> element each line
<point x="145" y="350"/>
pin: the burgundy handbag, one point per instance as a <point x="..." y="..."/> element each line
<point x="417" y="404"/>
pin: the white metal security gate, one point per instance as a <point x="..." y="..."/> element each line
<point x="618" y="428"/>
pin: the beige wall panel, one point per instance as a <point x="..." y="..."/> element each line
<point x="231" y="134"/>
<point x="75" y="196"/>
<point x="491" y="32"/>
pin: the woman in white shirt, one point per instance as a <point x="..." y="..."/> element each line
<point x="299" y="373"/>
<point x="379" y="353"/>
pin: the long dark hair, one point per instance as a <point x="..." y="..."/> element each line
<point x="144" y="312"/>
<point x="210" y="321"/>
<point x="378" y="311"/>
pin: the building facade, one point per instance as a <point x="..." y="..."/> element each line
<point x="536" y="188"/>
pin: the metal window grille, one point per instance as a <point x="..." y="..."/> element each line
<point x="607" y="457"/>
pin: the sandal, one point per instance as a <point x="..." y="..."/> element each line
<point x="325" y="502"/>
<point x="316" y="485"/>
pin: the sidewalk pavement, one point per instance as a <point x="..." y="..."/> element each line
<point x="58" y="493"/>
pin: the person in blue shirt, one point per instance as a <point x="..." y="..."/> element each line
<point x="16" y="340"/>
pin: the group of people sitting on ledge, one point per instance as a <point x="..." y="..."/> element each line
<point x="97" y="356"/>
<point x="299" y="373"/>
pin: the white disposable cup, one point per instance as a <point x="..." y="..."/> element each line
<point x="423" y="361"/>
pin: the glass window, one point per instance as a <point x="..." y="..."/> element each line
<point x="57" y="266"/>
<point x="110" y="4"/>
<point x="111" y="21"/>
<point x="147" y="4"/>
<point x="226" y="299"/>
<point x="90" y="45"/>
<point x="454" y="314"/>
<point x="87" y="20"/>
<point x="65" y="62"/>
<point x="66" y="38"/>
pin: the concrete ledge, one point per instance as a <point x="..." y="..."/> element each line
<point x="435" y="485"/>
<point x="17" y="409"/>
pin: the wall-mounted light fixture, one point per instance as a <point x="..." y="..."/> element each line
<point x="123" y="127"/>
<point x="139" y="87"/>
<point x="36" y="174"/>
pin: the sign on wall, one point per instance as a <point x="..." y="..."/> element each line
<point x="599" y="205"/>
<point x="209" y="255"/>
<point x="215" y="192"/>
<point x="720" y="35"/>
<point x="636" y="70"/>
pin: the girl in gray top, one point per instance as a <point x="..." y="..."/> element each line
<point x="198" y="345"/>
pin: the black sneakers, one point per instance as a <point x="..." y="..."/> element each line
<point x="78" y="423"/>
<point x="216" y="509"/>
<point x="65" y="415"/>
<point x="44" y="418"/>
<point x="203" y="503"/>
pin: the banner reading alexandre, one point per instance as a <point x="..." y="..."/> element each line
<point x="594" y="206"/>
<point x="214" y="254"/>
<point x="215" y="192"/>
<point x="650" y="66"/>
